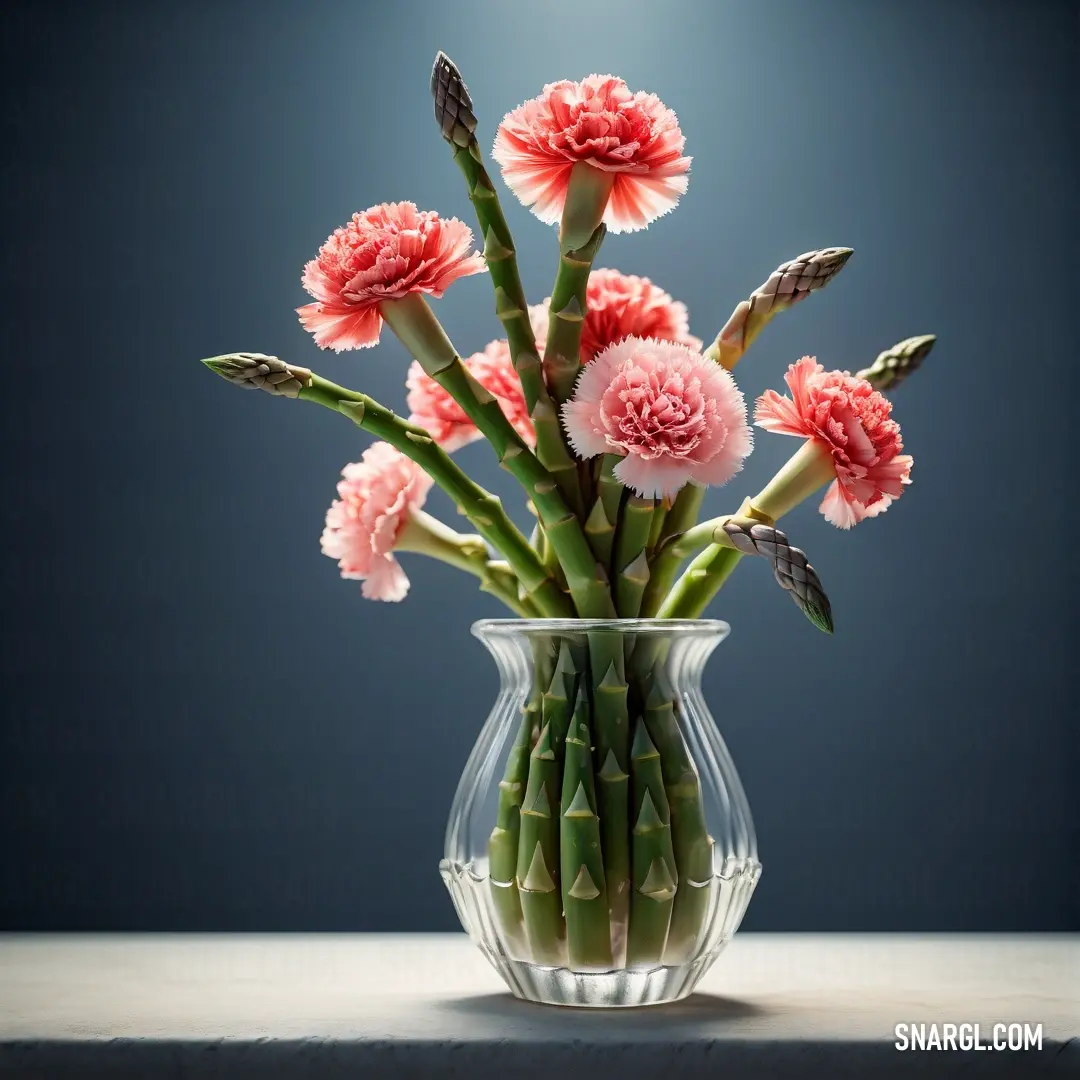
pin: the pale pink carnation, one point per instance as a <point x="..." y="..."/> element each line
<point x="384" y="253"/>
<point x="376" y="495"/>
<point x="619" y="305"/>
<point x="434" y="409"/>
<point x="598" y="121"/>
<point x="675" y="415"/>
<point x="853" y="422"/>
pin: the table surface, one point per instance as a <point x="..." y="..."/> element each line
<point x="428" y="1005"/>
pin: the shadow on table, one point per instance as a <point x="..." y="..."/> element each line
<point x="697" y="1013"/>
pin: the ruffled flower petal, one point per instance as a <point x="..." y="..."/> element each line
<point x="386" y="253"/>
<point x="853" y="421"/>
<point x="673" y="416"/>
<point x="598" y="121"/>
<point x="376" y="495"/>
<point x="622" y="305"/>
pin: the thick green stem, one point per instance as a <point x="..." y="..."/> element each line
<point x="690" y="839"/>
<point x="631" y="555"/>
<point x="558" y="700"/>
<point x="483" y="509"/>
<point x="610" y="490"/>
<point x="426" y="535"/>
<point x="415" y="324"/>
<point x="584" y="886"/>
<point x="580" y="236"/>
<point x="699" y="584"/>
<point x="538" y="855"/>
<point x="512" y="310"/>
<point x="503" y="842"/>
<point x="665" y="565"/>
<point x="656" y="530"/>
<point x="655" y="876"/>
<point x="600" y="533"/>
<point x="457" y="124"/>
<point x="611" y="729"/>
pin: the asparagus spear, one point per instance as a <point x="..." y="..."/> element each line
<point x="482" y="508"/>
<point x="557" y="699"/>
<point x="600" y="531"/>
<point x="414" y="323"/>
<point x="584" y="885"/>
<point x="537" y="864"/>
<point x="655" y="876"/>
<point x="612" y="728"/>
<point x="899" y="361"/>
<point x="631" y="555"/>
<point x="665" y="565"/>
<point x="690" y="839"/>
<point x="611" y="491"/>
<point x="789" y="283"/>
<point x="504" y="839"/>
<point x="457" y="122"/>
<point x="503" y="842"/>
<point x="567" y="308"/>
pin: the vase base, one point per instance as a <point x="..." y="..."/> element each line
<point x="616" y="989"/>
<point x="480" y="908"/>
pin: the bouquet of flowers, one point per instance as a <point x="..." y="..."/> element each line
<point x="615" y="419"/>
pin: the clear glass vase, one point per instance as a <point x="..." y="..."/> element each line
<point x="600" y="849"/>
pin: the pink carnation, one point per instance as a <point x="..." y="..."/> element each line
<point x="852" y="421"/>
<point x="620" y="305"/>
<point x="598" y="121"/>
<point x="375" y="499"/>
<point x="385" y="253"/>
<point x="675" y="415"/>
<point x="434" y="409"/>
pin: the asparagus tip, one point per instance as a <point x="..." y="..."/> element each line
<point x="820" y="616"/>
<point x="453" y="104"/>
<point x="896" y="363"/>
<point x="255" y="371"/>
<point x="791" y="568"/>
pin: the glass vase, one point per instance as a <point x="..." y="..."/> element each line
<point x="600" y="849"/>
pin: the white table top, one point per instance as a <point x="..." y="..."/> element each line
<point x="427" y="1005"/>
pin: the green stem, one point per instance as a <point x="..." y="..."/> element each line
<point x="503" y="842"/>
<point x="538" y="855"/>
<point x="426" y="535"/>
<point x="415" y="324"/>
<point x="611" y="730"/>
<point x="665" y="565"/>
<point x="580" y="236"/>
<point x="699" y="584"/>
<point x="500" y="576"/>
<point x="483" y="509"/>
<point x="655" y="876"/>
<point x="656" y="531"/>
<point x="631" y="555"/>
<point x="557" y="701"/>
<point x="805" y="472"/>
<point x="600" y="532"/>
<point x="584" y="886"/>
<point x="610" y="490"/>
<point x="691" y="843"/>
<point x="512" y="310"/>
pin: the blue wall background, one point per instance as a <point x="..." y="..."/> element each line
<point x="203" y="727"/>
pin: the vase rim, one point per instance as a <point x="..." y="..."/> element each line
<point x="484" y="627"/>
